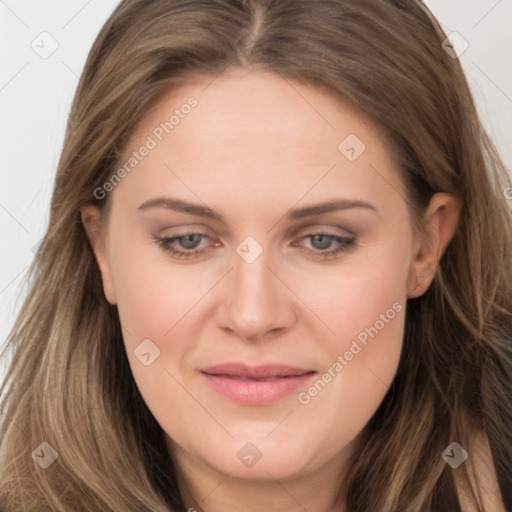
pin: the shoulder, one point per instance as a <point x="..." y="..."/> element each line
<point x="485" y="478"/>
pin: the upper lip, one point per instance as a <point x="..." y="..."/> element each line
<point x="255" y="372"/>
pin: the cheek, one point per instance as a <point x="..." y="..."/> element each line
<point x="153" y="295"/>
<point x="154" y="301"/>
<point x="353" y="295"/>
<point x="364" y="307"/>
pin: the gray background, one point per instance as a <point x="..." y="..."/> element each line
<point x="36" y="90"/>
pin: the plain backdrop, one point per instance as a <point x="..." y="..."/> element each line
<point x="43" y="47"/>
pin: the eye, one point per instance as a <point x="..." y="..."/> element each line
<point x="322" y="241"/>
<point x="188" y="243"/>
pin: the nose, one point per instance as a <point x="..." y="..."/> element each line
<point x="256" y="303"/>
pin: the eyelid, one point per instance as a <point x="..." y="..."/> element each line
<point x="185" y="230"/>
<point x="313" y="229"/>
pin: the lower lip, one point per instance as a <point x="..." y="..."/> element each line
<point x="257" y="392"/>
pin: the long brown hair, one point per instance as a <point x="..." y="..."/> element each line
<point x="69" y="384"/>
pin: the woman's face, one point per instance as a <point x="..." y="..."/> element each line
<point x="308" y="340"/>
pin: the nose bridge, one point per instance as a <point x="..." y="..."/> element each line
<point x="256" y="302"/>
<point x="253" y="290"/>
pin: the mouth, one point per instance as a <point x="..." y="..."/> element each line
<point x="259" y="385"/>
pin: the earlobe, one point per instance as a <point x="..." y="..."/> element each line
<point x="439" y="225"/>
<point x="91" y="219"/>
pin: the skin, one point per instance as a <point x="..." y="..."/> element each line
<point x="253" y="148"/>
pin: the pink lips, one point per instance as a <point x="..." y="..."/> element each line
<point x="257" y="385"/>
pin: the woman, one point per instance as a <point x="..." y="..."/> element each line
<point x="276" y="275"/>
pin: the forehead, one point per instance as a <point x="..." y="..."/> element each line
<point x="250" y="130"/>
<point x="247" y="108"/>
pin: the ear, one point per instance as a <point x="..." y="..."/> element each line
<point x="438" y="227"/>
<point x="91" y="219"/>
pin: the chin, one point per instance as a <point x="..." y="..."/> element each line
<point x="261" y="459"/>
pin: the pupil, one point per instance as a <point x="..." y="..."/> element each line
<point x="188" y="241"/>
<point x="326" y="241"/>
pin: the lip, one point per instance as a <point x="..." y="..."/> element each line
<point x="256" y="385"/>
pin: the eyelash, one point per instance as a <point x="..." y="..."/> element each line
<point x="346" y="245"/>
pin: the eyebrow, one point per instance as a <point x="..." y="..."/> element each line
<point x="182" y="206"/>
